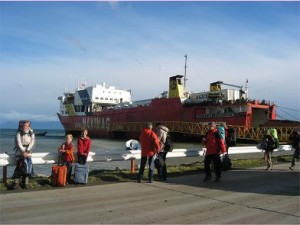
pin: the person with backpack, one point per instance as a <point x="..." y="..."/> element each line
<point x="295" y="141"/>
<point x="268" y="145"/>
<point x="24" y="145"/>
<point x="149" y="147"/>
<point x="214" y="147"/>
<point x="162" y="132"/>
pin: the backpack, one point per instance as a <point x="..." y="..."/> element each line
<point x="221" y="131"/>
<point x="168" y="145"/>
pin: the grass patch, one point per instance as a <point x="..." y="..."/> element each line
<point x="97" y="177"/>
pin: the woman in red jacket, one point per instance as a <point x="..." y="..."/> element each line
<point x="214" y="147"/>
<point x="150" y="146"/>
<point x="84" y="144"/>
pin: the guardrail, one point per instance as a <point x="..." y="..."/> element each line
<point x="131" y="155"/>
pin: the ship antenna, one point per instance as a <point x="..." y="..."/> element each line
<point x="185" y="66"/>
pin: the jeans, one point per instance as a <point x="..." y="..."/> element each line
<point x="69" y="170"/>
<point x="217" y="165"/>
<point x="162" y="171"/>
<point x="142" y="168"/>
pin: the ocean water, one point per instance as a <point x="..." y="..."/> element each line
<point x="54" y="138"/>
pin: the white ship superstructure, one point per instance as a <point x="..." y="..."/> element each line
<point x="92" y="99"/>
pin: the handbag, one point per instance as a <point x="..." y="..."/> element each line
<point x="226" y="163"/>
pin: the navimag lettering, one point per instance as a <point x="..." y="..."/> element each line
<point x="94" y="123"/>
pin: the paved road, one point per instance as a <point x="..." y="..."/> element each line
<point x="250" y="196"/>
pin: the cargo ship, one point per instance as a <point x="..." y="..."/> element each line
<point x="109" y="112"/>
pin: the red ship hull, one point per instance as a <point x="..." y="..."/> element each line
<point x="109" y="123"/>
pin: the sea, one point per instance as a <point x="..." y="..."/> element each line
<point x="55" y="137"/>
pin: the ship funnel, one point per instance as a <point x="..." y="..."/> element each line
<point x="176" y="87"/>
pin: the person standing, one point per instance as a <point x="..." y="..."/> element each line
<point x="84" y="144"/>
<point x="24" y="144"/>
<point x="150" y="146"/>
<point x="162" y="132"/>
<point x="295" y="141"/>
<point x="67" y="155"/>
<point x="268" y="147"/>
<point x="214" y="147"/>
<point x="230" y="137"/>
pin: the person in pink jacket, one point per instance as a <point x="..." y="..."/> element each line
<point x="149" y="147"/>
<point x="84" y="144"/>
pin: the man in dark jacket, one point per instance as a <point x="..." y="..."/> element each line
<point x="295" y="139"/>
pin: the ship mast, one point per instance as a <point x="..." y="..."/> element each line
<point x="185" y="79"/>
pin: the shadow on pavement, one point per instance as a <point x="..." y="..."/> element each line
<point x="275" y="182"/>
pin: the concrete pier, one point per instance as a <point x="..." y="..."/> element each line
<point x="248" y="196"/>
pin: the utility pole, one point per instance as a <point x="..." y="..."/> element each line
<point x="185" y="66"/>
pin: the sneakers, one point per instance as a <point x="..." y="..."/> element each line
<point x="291" y="168"/>
<point x="207" y="178"/>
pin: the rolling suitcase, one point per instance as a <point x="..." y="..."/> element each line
<point x="81" y="173"/>
<point x="59" y="175"/>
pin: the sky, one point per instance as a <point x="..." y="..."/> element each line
<point x="47" y="48"/>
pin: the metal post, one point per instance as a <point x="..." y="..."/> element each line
<point x="132" y="165"/>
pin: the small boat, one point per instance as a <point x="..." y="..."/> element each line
<point x="41" y="134"/>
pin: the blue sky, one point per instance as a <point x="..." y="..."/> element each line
<point x="48" y="47"/>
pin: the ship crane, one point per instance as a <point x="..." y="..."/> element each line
<point x="232" y="85"/>
<point x="216" y="86"/>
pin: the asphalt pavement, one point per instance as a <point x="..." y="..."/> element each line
<point x="248" y="196"/>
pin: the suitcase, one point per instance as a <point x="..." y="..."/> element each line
<point x="59" y="175"/>
<point x="81" y="173"/>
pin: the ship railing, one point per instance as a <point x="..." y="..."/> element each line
<point x="42" y="158"/>
<point x="191" y="128"/>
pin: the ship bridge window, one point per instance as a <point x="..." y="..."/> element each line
<point x="106" y="98"/>
<point x="97" y="98"/>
